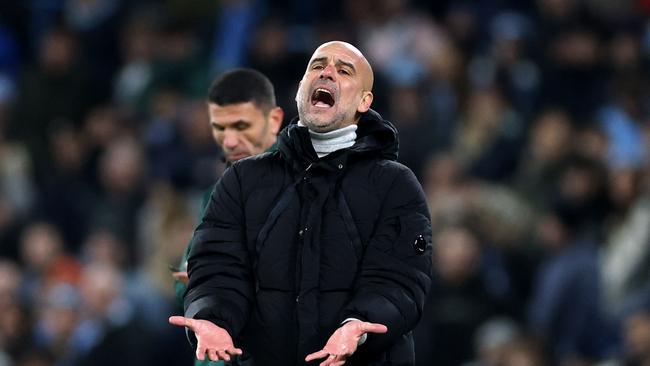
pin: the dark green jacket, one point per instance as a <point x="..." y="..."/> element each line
<point x="179" y="287"/>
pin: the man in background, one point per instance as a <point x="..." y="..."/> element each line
<point x="245" y="121"/>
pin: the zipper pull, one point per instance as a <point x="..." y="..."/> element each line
<point x="305" y="175"/>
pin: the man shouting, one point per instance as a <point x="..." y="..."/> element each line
<point x="320" y="251"/>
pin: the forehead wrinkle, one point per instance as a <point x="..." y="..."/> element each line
<point x="337" y="61"/>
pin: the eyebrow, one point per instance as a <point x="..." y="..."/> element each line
<point x="338" y="62"/>
<point x="234" y="123"/>
<point x="318" y="60"/>
<point x="345" y="63"/>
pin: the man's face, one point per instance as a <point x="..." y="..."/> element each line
<point x="243" y="129"/>
<point x="337" y="84"/>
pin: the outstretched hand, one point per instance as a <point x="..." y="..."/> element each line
<point x="343" y="343"/>
<point x="210" y="338"/>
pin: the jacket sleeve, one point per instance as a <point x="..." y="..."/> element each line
<point x="221" y="285"/>
<point x="179" y="287"/>
<point x="396" y="268"/>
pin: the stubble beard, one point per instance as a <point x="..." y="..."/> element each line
<point x="321" y="126"/>
<point x="315" y="122"/>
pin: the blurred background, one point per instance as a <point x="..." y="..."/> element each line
<point x="527" y="123"/>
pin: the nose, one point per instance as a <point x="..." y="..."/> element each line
<point x="230" y="139"/>
<point x="329" y="72"/>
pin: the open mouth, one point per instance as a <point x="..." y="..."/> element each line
<point x="322" y="98"/>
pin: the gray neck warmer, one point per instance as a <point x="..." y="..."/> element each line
<point x="328" y="142"/>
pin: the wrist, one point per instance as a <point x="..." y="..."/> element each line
<point x="363" y="337"/>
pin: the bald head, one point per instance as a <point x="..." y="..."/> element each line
<point x="336" y="88"/>
<point x="364" y="68"/>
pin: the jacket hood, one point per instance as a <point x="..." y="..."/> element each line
<point x="375" y="136"/>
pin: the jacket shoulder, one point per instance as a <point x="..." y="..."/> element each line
<point x="394" y="166"/>
<point x="390" y="170"/>
<point x="256" y="162"/>
<point x="266" y="168"/>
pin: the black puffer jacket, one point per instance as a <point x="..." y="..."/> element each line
<point x="292" y="245"/>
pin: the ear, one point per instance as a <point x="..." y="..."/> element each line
<point x="276" y="115"/>
<point x="366" y="101"/>
<point x="297" y="92"/>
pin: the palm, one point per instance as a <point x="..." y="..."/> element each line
<point x="344" y="342"/>
<point x="210" y="338"/>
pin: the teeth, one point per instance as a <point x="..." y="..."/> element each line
<point x="323" y="97"/>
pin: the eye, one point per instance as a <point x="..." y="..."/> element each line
<point x="317" y="67"/>
<point x="344" y="72"/>
<point x="217" y="128"/>
<point x="241" y="126"/>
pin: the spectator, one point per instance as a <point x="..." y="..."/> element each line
<point x="625" y="254"/>
<point x="59" y="87"/>
<point x="458" y="302"/>
<point x="636" y="335"/>
<point x="565" y="307"/>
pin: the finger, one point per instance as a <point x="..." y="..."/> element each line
<point x="223" y="355"/>
<point x="316" y="355"/>
<point x="338" y="363"/>
<point x="212" y="355"/>
<point x="329" y="360"/>
<point x="181" y="277"/>
<point x="373" y="328"/>
<point x="234" y="351"/>
<point x="200" y="353"/>
<point x="181" y="321"/>
<point x="179" y="274"/>
<point x="325" y="363"/>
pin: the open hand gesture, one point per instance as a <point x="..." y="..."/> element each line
<point x="210" y="338"/>
<point x="343" y="343"/>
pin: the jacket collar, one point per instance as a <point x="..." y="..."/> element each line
<point x="376" y="137"/>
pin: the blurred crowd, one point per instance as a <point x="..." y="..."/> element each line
<point x="527" y="123"/>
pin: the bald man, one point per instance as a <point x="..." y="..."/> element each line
<point x="319" y="252"/>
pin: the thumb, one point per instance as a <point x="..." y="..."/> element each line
<point x="373" y="327"/>
<point x="182" y="321"/>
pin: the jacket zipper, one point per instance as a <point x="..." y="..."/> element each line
<point x="302" y="233"/>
